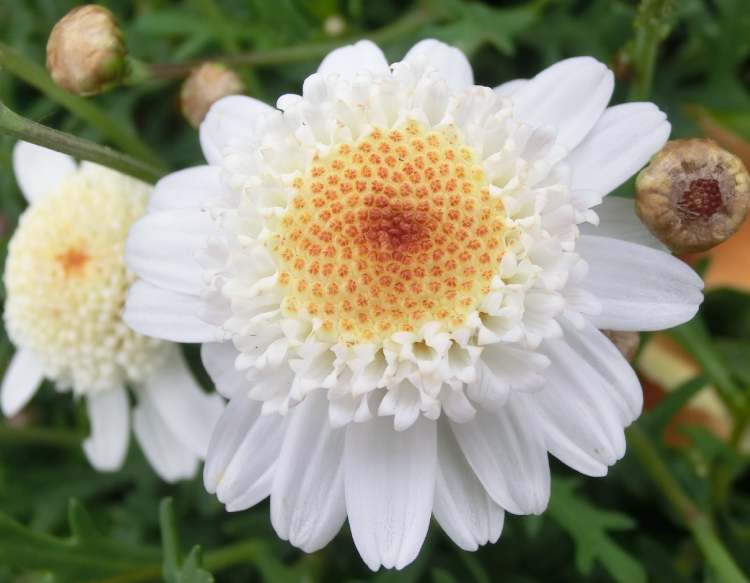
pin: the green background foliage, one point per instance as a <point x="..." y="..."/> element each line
<point x="662" y="514"/>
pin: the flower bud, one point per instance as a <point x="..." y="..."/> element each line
<point x="334" y="25"/>
<point x="626" y="342"/>
<point x="204" y="87"/>
<point x="86" y="52"/>
<point x="693" y="195"/>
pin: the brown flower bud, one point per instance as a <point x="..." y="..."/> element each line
<point x="626" y="342"/>
<point x="204" y="87"/>
<point x="693" y="195"/>
<point x="86" y="52"/>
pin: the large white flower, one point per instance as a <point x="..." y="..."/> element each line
<point x="395" y="288"/>
<point x="66" y="282"/>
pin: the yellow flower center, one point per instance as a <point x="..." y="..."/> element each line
<point x="388" y="233"/>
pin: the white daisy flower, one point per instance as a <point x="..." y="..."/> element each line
<point x="66" y="283"/>
<point x="395" y="285"/>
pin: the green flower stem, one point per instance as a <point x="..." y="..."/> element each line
<point x="36" y="75"/>
<point x="652" y="25"/>
<point x="39" y="436"/>
<point x="699" y="525"/>
<point x="299" y="53"/>
<point x="19" y="127"/>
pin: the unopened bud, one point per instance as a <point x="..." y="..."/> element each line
<point x="626" y="342"/>
<point x="204" y="87"/>
<point x="334" y="25"/>
<point x="693" y="195"/>
<point x="86" y="52"/>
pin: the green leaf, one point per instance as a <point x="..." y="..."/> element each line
<point x="590" y="529"/>
<point x="442" y="576"/>
<point x="86" y="555"/>
<point x="657" y="419"/>
<point x="174" y="569"/>
<point x="478" y="25"/>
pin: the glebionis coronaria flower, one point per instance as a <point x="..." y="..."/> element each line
<point x="396" y="286"/>
<point x="66" y="281"/>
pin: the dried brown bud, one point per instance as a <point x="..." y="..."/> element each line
<point x="693" y="195"/>
<point x="204" y="87"/>
<point x="626" y="342"/>
<point x="86" y="52"/>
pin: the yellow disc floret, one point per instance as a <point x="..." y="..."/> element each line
<point x="388" y="233"/>
<point x="66" y="282"/>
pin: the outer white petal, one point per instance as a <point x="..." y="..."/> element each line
<point x="243" y="452"/>
<point x="188" y="188"/>
<point x="390" y="483"/>
<point x="349" y="60"/>
<point x="582" y="414"/>
<point x="109" y="417"/>
<point x="617" y="219"/>
<point x="569" y="96"/>
<point x="218" y="359"/>
<point x="506" y="450"/>
<point x="621" y="142"/>
<point x="462" y="507"/>
<point x="451" y="64"/>
<point x="233" y="118"/>
<point x="639" y="288"/>
<point x="169" y="458"/>
<point x="307" y="496"/>
<point x="161" y="248"/>
<point x="598" y="351"/>
<point x="38" y="170"/>
<point x="510" y="87"/>
<point x="189" y="413"/>
<point x="21" y="381"/>
<point x="155" y="311"/>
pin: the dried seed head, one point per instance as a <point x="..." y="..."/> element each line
<point x="626" y="342"/>
<point x="86" y="52"/>
<point x="205" y="86"/>
<point x="694" y="195"/>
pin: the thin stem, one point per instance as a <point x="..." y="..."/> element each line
<point x="652" y="25"/>
<point x="697" y="522"/>
<point x="18" y="126"/>
<point x="39" y="436"/>
<point x="36" y="75"/>
<point x="299" y="53"/>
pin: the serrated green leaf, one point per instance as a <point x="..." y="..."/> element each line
<point x="589" y="527"/>
<point x="175" y="569"/>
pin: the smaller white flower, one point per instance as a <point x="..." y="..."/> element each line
<point x="66" y="284"/>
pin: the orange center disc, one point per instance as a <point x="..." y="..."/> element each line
<point x="389" y="233"/>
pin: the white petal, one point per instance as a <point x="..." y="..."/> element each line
<point x="617" y="219"/>
<point x="155" y="311"/>
<point x="462" y="507"/>
<point x="639" y="288"/>
<point x="621" y="142"/>
<point x="169" y="458"/>
<point x="39" y="170"/>
<point x="218" y="359"/>
<point x="598" y="351"/>
<point x="243" y="452"/>
<point x="450" y="63"/>
<point x="235" y="117"/>
<point x="307" y="496"/>
<point x="21" y="381"/>
<point x="349" y="60"/>
<point x="582" y="414"/>
<point x="389" y="483"/>
<point x="161" y="248"/>
<point x="510" y="87"/>
<point x="506" y="450"/>
<point x="188" y="188"/>
<point x="188" y="412"/>
<point x="109" y="417"/>
<point x="569" y="96"/>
